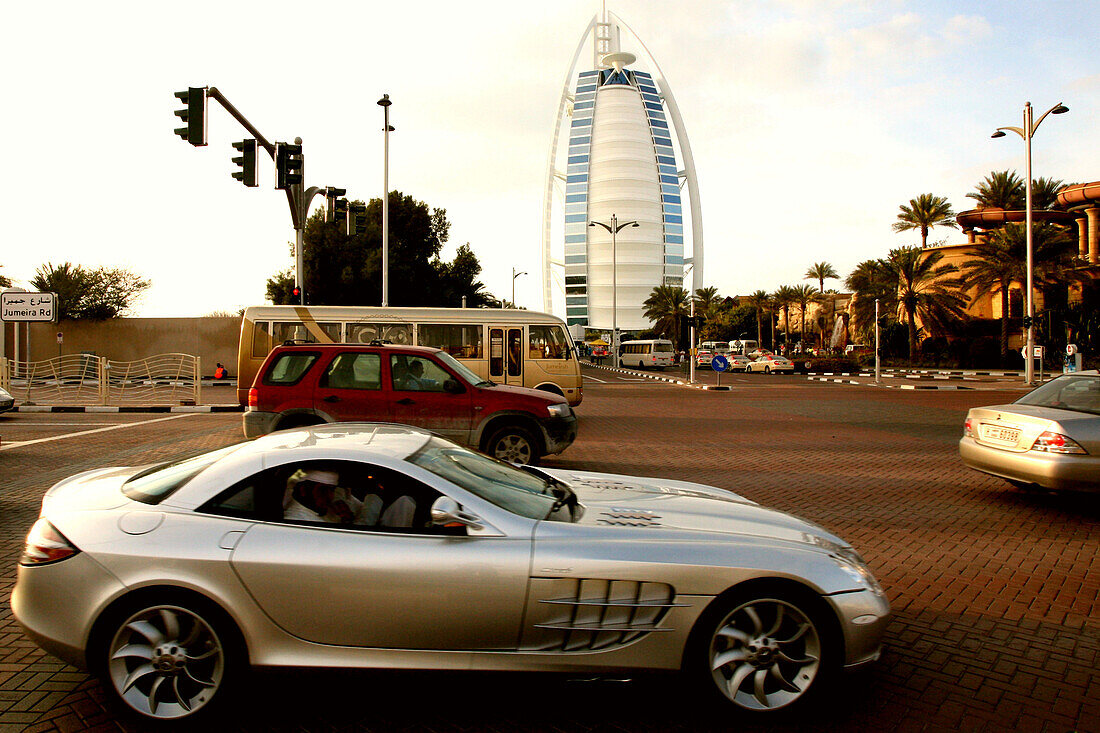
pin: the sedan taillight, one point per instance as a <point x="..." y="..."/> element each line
<point x="45" y="545"/>
<point x="253" y="397"/>
<point x="968" y="429"/>
<point x="1049" y="442"/>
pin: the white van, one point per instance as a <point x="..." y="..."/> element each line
<point x="651" y="353"/>
<point x="744" y="346"/>
<point x="715" y="347"/>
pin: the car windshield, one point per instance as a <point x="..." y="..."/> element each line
<point x="158" y="482"/>
<point x="461" y="370"/>
<point x="1078" y="393"/>
<point x="520" y="492"/>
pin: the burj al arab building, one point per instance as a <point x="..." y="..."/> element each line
<point x="623" y="131"/>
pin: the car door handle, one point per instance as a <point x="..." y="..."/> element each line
<point x="406" y="401"/>
<point x="332" y="398"/>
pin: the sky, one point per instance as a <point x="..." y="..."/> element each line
<point x="810" y="122"/>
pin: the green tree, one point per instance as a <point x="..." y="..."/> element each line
<point x="761" y="303"/>
<point x="923" y="213"/>
<point x="1000" y="190"/>
<point x="871" y="280"/>
<point x="821" y="271"/>
<point x="1044" y="193"/>
<point x="4" y="281"/>
<point x="1001" y="262"/>
<point x="783" y="298"/>
<point x="347" y="270"/>
<point x="95" y="294"/>
<point x="665" y="306"/>
<point x="924" y="289"/>
<point x="804" y="295"/>
<point x="727" y="324"/>
<point x="706" y="301"/>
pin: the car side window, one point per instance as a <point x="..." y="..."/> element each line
<point x="416" y="374"/>
<point x="352" y="370"/>
<point x="289" y="367"/>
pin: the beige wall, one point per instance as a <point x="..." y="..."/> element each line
<point x="213" y="339"/>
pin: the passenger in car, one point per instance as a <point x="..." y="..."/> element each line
<point x="374" y="511"/>
<point x="317" y="497"/>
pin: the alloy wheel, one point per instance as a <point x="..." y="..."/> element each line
<point x="513" y="448"/>
<point x="166" y="662"/>
<point x="765" y="654"/>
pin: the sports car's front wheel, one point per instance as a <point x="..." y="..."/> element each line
<point x="169" y="661"/>
<point x="765" y="653"/>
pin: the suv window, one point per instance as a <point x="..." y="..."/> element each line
<point x="352" y="370"/>
<point x="416" y="374"/>
<point x="289" y="367"/>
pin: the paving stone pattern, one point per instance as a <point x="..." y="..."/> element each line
<point x="996" y="592"/>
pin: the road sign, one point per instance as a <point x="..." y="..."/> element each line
<point x="23" y="307"/>
<point x="1071" y="349"/>
<point x="1039" y="351"/>
<point x="719" y="363"/>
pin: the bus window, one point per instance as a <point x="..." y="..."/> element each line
<point x="515" y="352"/>
<point x="285" y="331"/>
<point x="496" y="352"/>
<point x="261" y="339"/>
<point x="364" y="333"/>
<point x="547" y="342"/>
<point x="460" y="341"/>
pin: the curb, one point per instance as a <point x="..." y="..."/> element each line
<point x="680" y="382"/>
<point x="887" y="386"/>
<point x="128" y="408"/>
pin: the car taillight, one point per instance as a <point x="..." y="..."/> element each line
<point x="1049" y="442"/>
<point x="253" y="397"/>
<point x="968" y="429"/>
<point x="45" y="545"/>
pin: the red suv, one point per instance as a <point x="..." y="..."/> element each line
<point x="308" y="384"/>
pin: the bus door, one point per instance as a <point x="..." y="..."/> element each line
<point x="506" y="349"/>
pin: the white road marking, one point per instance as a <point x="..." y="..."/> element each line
<point x="24" y="424"/>
<point x="601" y="381"/>
<point x="22" y="443"/>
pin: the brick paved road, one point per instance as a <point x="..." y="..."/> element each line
<point x="995" y="592"/>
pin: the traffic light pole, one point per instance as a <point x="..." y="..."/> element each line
<point x="298" y="199"/>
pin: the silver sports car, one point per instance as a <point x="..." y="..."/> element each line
<point x="365" y="545"/>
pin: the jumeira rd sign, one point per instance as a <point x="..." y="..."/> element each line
<point x="23" y="307"/>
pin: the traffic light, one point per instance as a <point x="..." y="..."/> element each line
<point x="288" y="165"/>
<point x="1027" y="321"/>
<point x="247" y="162"/>
<point x="357" y="219"/>
<point x="193" y="115"/>
<point x="332" y="194"/>
<point x="340" y="210"/>
<point x="296" y="294"/>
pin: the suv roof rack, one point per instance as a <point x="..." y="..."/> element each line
<point x="295" y="342"/>
<point x="379" y="342"/>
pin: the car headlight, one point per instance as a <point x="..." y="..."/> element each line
<point x="559" y="410"/>
<point x="849" y="561"/>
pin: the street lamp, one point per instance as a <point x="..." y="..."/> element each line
<point x="514" y="276"/>
<point x="385" y="103"/>
<point x="614" y="228"/>
<point x="1027" y="132"/>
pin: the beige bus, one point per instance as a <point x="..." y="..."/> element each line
<point x="519" y="347"/>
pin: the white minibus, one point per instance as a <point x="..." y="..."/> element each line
<point x="649" y="353"/>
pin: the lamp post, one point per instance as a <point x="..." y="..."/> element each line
<point x="514" y="276"/>
<point x="385" y="103"/>
<point x="614" y="228"/>
<point x="1027" y="132"/>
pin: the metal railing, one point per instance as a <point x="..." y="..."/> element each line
<point x="85" y="379"/>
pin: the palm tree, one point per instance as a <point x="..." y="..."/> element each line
<point x="1000" y="190"/>
<point x="1001" y="262"/>
<point x="804" y="295"/>
<point x="783" y="297"/>
<point x="924" y="212"/>
<point x="665" y="306"/>
<point x="924" y="289"/>
<point x="1044" y="193"/>
<point x="871" y="281"/>
<point x="706" y="299"/>
<point x="761" y="301"/>
<point x="821" y="271"/>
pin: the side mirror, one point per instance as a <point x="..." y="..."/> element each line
<point x="446" y="510"/>
<point x="453" y="386"/>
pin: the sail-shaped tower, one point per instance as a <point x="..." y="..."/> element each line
<point x="625" y="137"/>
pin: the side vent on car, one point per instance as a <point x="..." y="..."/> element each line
<point x="629" y="518"/>
<point x="588" y="614"/>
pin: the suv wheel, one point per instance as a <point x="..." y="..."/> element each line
<point x="513" y="444"/>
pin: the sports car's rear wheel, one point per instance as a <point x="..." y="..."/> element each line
<point x="168" y="661"/>
<point x="765" y="653"/>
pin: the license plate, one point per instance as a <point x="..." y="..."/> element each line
<point x="998" y="434"/>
